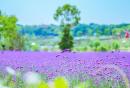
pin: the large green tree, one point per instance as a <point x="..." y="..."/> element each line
<point x="69" y="16"/>
<point x="9" y="38"/>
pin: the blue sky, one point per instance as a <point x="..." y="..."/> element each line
<point x="92" y="11"/>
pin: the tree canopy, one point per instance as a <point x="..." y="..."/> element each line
<point x="67" y="14"/>
<point x="9" y="36"/>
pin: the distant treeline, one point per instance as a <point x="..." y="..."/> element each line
<point x="79" y="30"/>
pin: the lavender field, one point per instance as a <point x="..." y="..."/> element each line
<point x="64" y="44"/>
<point x="53" y="64"/>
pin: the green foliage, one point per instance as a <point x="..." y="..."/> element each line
<point x="67" y="14"/>
<point x="79" y="30"/>
<point x="69" y="17"/>
<point x="9" y="37"/>
<point x="80" y="45"/>
<point x="81" y="48"/>
<point x="34" y="47"/>
<point x="95" y="44"/>
<point x="17" y="43"/>
<point x="117" y="31"/>
<point x="103" y="47"/>
<point x="66" y="40"/>
<point x="84" y="48"/>
<point x="115" y="45"/>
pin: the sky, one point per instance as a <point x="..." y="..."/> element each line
<point x="36" y="12"/>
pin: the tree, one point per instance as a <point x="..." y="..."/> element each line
<point x="68" y="16"/>
<point x="9" y="38"/>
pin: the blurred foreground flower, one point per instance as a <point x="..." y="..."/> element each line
<point x="51" y="84"/>
<point x="32" y="78"/>
<point x="61" y="82"/>
<point x="10" y="71"/>
<point x="43" y="85"/>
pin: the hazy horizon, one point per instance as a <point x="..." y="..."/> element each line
<point x="36" y="12"/>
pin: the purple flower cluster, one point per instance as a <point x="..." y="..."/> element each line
<point x="68" y="63"/>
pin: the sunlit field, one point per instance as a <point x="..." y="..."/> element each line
<point x="87" y="43"/>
